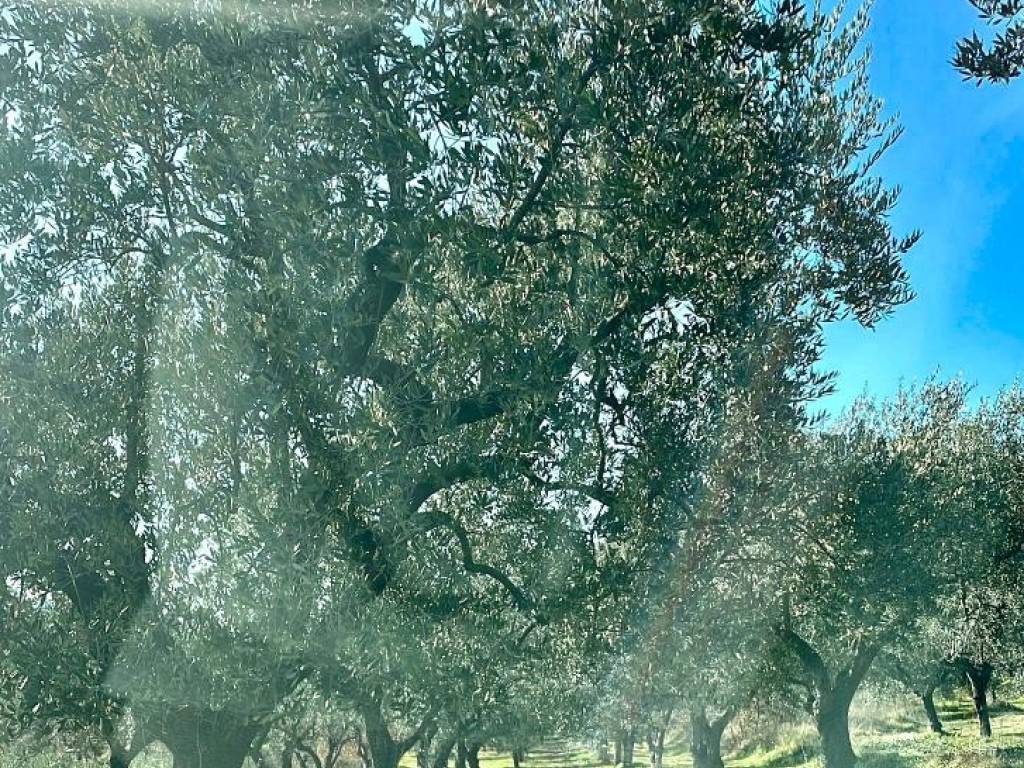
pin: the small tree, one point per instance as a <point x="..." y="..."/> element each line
<point x="856" y="564"/>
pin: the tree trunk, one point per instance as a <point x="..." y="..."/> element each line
<point x="383" y="754"/>
<point x="934" y="722"/>
<point x="518" y="757"/>
<point x="365" y="761"/>
<point x="833" y="694"/>
<point x="121" y="756"/>
<point x="833" y="722"/>
<point x="473" y="755"/>
<point x="618" y="750"/>
<point x="652" y="748"/>
<point x="628" y="742"/>
<point x="200" y="738"/>
<point x="210" y="753"/>
<point x="384" y="751"/>
<point x="444" y="751"/>
<point x="461" y="754"/>
<point x="705" y="739"/>
<point x="979" y="676"/>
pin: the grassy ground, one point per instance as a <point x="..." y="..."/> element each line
<point x="885" y="736"/>
<point x="893" y="738"/>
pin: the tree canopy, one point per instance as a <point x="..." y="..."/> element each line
<point x="445" y="366"/>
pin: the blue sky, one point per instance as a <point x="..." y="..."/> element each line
<point x="960" y="164"/>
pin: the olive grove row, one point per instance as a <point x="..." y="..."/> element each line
<point x="429" y="374"/>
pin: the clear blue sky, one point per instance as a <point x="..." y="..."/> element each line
<point x="960" y="164"/>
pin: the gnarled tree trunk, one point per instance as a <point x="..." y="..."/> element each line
<point x="385" y="751"/>
<point x="121" y="756"/>
<point x="628" y="744"/>
<point x="706" y="736"/>
<point x="832" y="719"/>
<point x="928" y="701"/>
<point x="656" y="741"/>
<point x="444" y="751"/>
<point x="833" y="695"/>
<point x="201" y="738"/>
<point x="979" y="676"/>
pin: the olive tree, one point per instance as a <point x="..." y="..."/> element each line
<point x="856" y="565"/>
<point x="428" y="248"/>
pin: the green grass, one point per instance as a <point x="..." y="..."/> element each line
<point x="884" y="737"/>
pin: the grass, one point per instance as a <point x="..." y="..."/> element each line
<point x="884" y="735"/>
<point x="888" y="737"/>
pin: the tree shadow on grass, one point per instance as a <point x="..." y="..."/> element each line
<point x="955" y="712"/>
<point x="888" y="760"/>
<point x="797" y="754"/>
<point x="1011" y="756"/>
<point x="900" y="724"/>
<point x="1006" y="706"/>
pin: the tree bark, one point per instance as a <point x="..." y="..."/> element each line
<point x="121" y="756"/>
<point x="444" y="751"/>
<point x="202" y="738"/>
<point x="928" y="700"/>
<point x="833" y="695"/>
<point x="383" y="754"/>
<point x="423" y="754"/>
<point x="473" y="755"/>
<point x="222" y="753"/>
<point x="518" y="757"/>
<point x="658" y="747"/>
<point x="618" y="750"/>
<point x="384" y="750"/>
<point x="706" y="737"/>
<point x="832" y="719"/>
<point x="979" y="676"/>
<point x="461" y="754"/>
<point x="653" y="752"/>
<point x="628" y="743"/>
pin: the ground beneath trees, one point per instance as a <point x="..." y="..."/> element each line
<point x="895" y="739"/>
<point x="885" y="737"/>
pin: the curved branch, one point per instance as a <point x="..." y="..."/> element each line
<point x="521" y="600"/>
<point x="557" y="144"/>
<point x="809" y="658"/>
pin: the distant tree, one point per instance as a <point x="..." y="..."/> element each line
<point x="1002" y="59"/>
<point x="981" y="615"/>
<point x="861" y="531"/>
<point x="918" y="662"/>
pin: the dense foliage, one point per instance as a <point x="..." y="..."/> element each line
<point x="434" y="375"/>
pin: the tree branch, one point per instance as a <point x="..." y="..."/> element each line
<point x="521" y="600"/>
<point x="808" y="657"/>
